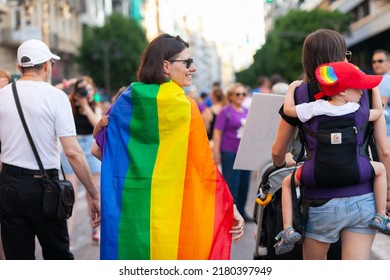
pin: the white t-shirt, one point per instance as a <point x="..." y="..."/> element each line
<point x="48" y="116"/>
<point x="306" y="111"/>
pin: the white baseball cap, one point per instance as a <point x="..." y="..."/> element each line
<point x="36" y="52"/>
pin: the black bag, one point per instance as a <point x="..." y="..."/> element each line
<point x="58" y="197"/>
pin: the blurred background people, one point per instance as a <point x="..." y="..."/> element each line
<point x="210" y="114"/>
<point x="263" y="85"/>
<point x="5" y="78"/>
<point x="227" y="134"/>
<point x="216" y="85"/>
<point x="65" y="85"/>
<point x="201" y="101"/>
<point x="381" y="66"/>
<point x="86" y="112"/>
<point x="279" y="85"/>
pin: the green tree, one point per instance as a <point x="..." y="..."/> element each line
<point x="282" y="50"/>
<point x="110" y="54"/>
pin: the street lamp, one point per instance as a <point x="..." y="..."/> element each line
<point x="107" y="47"/>
<point x="107" y="66"/>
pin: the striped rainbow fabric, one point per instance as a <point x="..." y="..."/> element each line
<point x="162" y="194"/>
<point x="327" y="75"/>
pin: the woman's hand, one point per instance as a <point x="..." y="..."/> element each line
<point x="238" y="226"/>
<point x="217" y="157"/>
<point x="94" y="205"/>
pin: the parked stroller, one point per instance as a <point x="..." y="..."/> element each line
<point x="268" y="216"/>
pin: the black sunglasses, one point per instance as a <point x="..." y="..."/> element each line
<point x="240" y="93"/>
<point x="348" y="55"/>
<point x="188" y="61"/>
<point x="379" y="61"/>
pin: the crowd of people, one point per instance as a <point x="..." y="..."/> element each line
<point x="130" y="169"/>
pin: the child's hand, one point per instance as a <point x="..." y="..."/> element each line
<point x="103" y="122"/>
<point x="293" y="86"/>
<point x="289" y="102"/>
<point x="296" y="83"/>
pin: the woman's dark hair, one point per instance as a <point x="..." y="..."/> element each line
<point x="217" y="95"/>
<point x="321" y="46"/>
<point x="164" y="47"/>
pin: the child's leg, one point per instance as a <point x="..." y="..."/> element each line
<point x="380" y="222"/>
<point x="287" y="207"/>
<point x="288" y="237"/>
<point x="380" y="187"/>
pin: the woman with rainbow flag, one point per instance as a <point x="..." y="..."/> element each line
<point x="163" y="197"/>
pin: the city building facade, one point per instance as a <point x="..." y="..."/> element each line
<point x="59" y="23"/>
<point x="370" y="29"/>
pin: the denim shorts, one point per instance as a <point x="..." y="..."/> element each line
<point x="325" y="222"/>
<point x="86" y="142"/>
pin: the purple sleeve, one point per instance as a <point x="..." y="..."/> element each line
<point x="220" y="122"/>
<point x="101" y="137"/>
<point x="201" y="106"/>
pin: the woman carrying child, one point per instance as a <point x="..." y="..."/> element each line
<point x="325" y="46"/>
<point x="342" y="82"/>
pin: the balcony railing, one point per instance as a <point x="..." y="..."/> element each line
<point x="12" y="37"/>
<point x="3" y="9"/>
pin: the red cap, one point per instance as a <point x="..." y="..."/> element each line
<point x="336" y="77"/>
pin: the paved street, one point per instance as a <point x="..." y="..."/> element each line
<point x="244" y="250"/>
<point x="84" y="249"/>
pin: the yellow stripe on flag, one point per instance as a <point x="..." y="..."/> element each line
<point x="169" y="173"/>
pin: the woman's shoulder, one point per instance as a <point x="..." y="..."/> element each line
<point x="225" y="108"/>
<point x="216" y="108"/>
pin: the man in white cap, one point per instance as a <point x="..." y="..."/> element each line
<point x="49" y="117"/>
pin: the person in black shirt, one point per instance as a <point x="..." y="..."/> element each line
<point x="86" y="112"/>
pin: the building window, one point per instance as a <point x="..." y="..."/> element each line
<point x="361" y="11"/>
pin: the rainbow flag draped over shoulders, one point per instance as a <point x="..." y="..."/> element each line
<point x="162" y="194"/>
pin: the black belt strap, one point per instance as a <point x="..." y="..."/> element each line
<point x="15" y="170"/>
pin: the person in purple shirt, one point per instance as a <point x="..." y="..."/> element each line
<point x="228" y="130"/>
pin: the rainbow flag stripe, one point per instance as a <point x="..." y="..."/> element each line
<point x="327" y="75"/>
<point x="162" y="194"/>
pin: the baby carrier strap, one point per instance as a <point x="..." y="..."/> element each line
<point x="301" y="95"/>
<point x="369" y="137"/>
<point x="336" y="147"/>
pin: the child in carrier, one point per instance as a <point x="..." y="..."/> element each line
<point x="342" y="82"/>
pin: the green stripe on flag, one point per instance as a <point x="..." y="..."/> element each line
<point x="142" y="149"/>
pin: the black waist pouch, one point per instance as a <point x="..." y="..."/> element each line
<point x="58" y="199"/>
